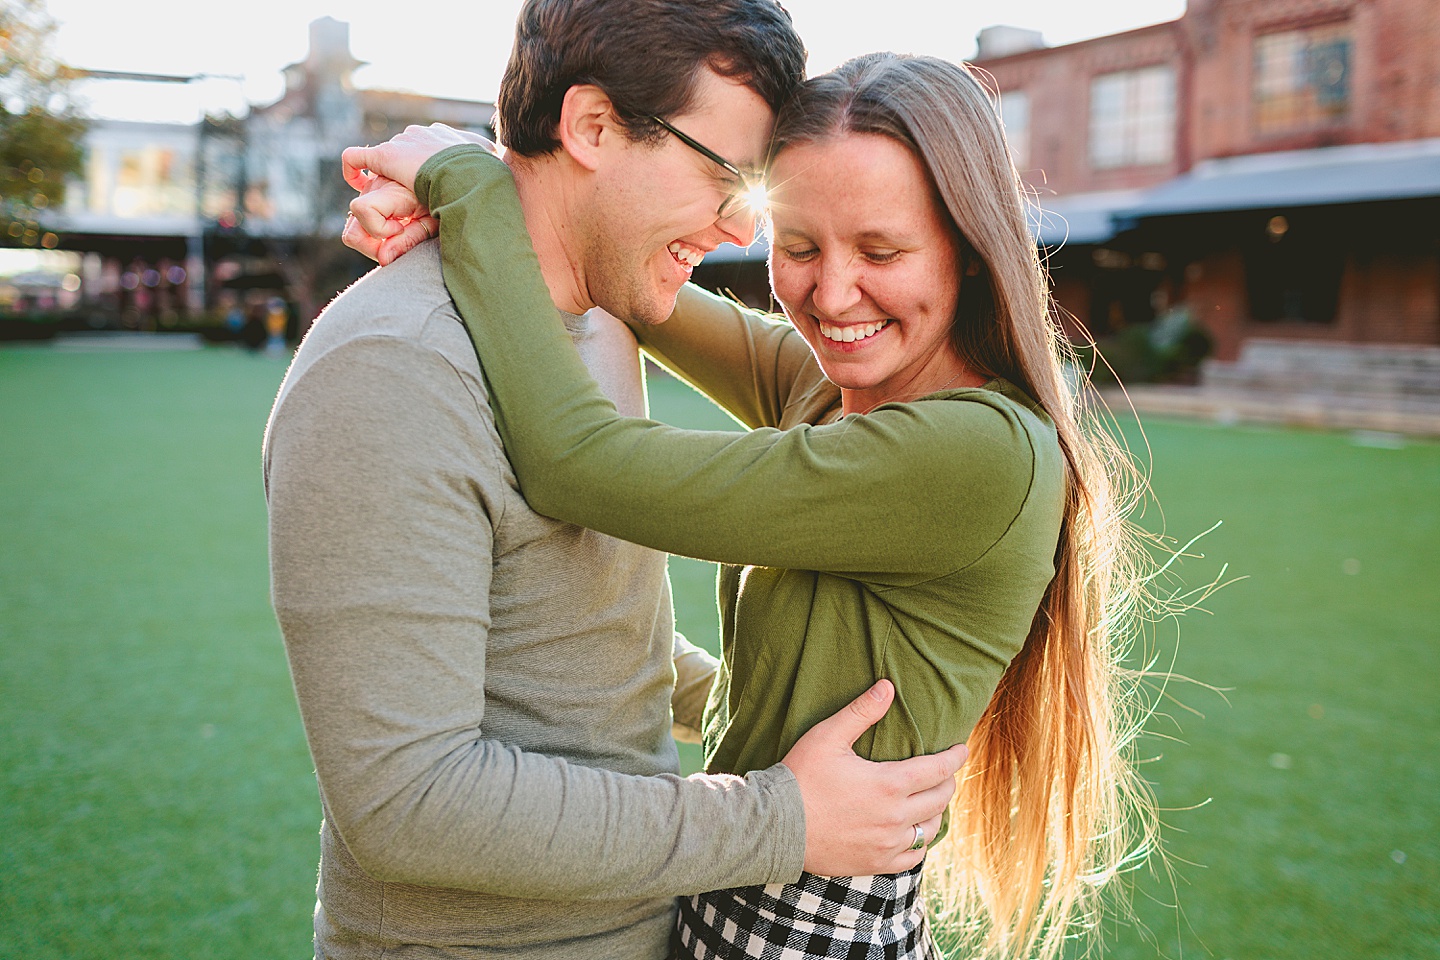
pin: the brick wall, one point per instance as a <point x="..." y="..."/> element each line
<point x="1391" y="299"/>
<point x="1215" y="293"/>
<point x="1394" y="85"/>
<point x="1394" y="71"/>
<point x="1390" y="281"/>
<point x="1057" y="80"/>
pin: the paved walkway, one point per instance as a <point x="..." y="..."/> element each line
<point x="109" y="341"/>
<point x="1325" y="411"/>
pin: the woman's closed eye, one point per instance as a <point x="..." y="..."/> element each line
<point x="804" y="254"/>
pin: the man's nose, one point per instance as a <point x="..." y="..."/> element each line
<point x="739" y="227"/>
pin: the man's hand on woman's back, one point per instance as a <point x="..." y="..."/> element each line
<point x="860" y="816"/>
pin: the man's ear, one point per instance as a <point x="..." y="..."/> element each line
<point x="587" y="122"/>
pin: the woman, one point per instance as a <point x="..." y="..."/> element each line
<point x="928" y="509"/>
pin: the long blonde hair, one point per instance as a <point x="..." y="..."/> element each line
<point x="1049" y="808"/>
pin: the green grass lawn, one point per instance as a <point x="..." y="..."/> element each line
<point x="156" y="798"/>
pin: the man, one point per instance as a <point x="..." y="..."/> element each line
<point x="487" y="693"/>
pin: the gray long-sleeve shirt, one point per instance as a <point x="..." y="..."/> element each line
<point x="486" y="692"/>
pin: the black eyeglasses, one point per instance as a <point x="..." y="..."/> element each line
<point x="736" y="197"/>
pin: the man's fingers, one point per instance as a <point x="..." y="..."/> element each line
<point x="929" y="829"/>
<point x="953" y="759"/>
<point x="859" y="715"/>
<point x="925" y="808"/>
<point x="932" y="829"/>
<point x="860" y="816"/>
<point x="930" y="803"/>
<point x="933" y="769"/>
<point x="907" y="858"/>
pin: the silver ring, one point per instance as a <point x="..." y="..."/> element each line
<point x="919" y="839"/>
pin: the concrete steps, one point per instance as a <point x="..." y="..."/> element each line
<point x="1376" y="389"/>
<point x="1404" y="372"/>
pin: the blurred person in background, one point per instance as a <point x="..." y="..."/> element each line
<point x="488" y="694"/>
<point x="916" y="500"/>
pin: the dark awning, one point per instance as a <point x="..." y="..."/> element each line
<point x="1300" y="178"/>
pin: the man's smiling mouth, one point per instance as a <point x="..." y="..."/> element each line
<point x="686" y="254"/>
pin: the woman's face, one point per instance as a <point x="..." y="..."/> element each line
<point x="866" y="265"/>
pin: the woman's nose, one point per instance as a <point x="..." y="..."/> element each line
<point x="837" y="288"/>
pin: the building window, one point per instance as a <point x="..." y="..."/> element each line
<point x="153" y="181"/>
<point x="1302" y="78"/>
<point x="1015" y="115"/>
<point x="1132" y="118"/>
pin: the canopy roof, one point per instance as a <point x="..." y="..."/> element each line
<point x="1330" y="175"/>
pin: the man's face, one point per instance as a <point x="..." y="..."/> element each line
<point x="656" y="207"/>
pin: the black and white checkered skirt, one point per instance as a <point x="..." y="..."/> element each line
<point x="858" y="918"/>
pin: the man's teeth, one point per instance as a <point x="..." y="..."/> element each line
<point x="686" y="255"/>
<point x="852" y="333"/>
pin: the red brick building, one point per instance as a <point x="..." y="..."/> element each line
<point x="1271" y="165"/>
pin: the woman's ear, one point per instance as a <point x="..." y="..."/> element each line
<point x="587" y="121"/>
<point x="970" y="262"/>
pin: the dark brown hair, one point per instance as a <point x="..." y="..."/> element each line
<point x="645" y="54"/>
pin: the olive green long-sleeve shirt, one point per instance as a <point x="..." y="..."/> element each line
<point x="913" y="542"/>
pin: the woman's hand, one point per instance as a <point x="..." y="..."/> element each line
<point x="386" y="220"/>
<point x="401" y="157"/>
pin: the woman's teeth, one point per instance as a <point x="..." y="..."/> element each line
<point x="686" y="255"/>
<point x="852" y="333"/>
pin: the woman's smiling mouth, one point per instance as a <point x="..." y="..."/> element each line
<point x="853" y="333"/>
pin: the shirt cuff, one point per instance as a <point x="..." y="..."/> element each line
<point x="788" y="858"/>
